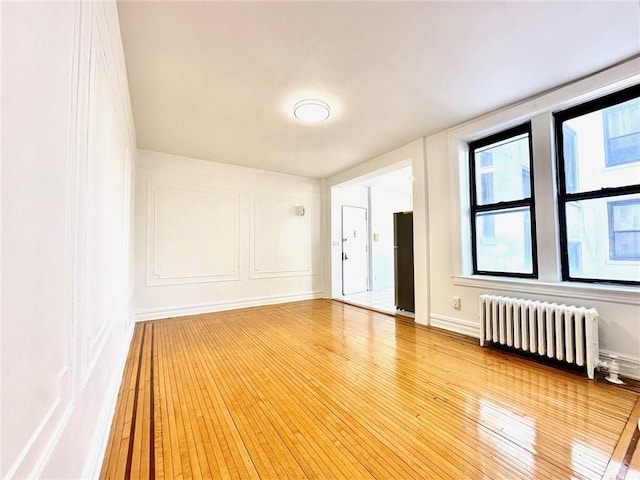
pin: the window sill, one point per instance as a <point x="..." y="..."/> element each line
<point x="602" y="293"/>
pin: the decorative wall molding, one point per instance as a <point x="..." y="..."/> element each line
<point x="154" y="274"/>
<point x="95" y="343"/>
<point x="75" y="170"/>
<point x="92" y="54"/>
<point x="458" y="325"/>
<point x="100" y="439"/>
<point x="37" y="450"/>
<point x="273" y="264"/>
<point x="104" y="72"/>
<point x="196" y="309"/>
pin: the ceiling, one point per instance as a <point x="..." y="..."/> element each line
<point x="399" y="180"/>
<point x="218" y="80"/>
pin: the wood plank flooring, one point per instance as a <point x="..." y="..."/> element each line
<point x="320" y="389"/>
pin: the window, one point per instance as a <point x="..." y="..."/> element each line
<point x="486" y="189"/>
<point x="575" y="257"/>
<point x="621" y="127"/>
<point x="570" y="148"/>
<point x="502" y="207"/>
<point x="598" y="206"/>
<point x="624" y="230"/>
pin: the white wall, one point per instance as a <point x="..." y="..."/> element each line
<point x="449" y="248"/>
<point x="67" y="148"/>
<point x="212" y="236"/>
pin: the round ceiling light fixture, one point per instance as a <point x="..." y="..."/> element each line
<point x="311" y="111"/>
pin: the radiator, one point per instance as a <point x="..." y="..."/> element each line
<point x="563" y="332"/>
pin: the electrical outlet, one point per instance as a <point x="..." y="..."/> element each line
<point x="456" y="302"/>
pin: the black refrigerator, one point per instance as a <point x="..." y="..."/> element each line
<point x="403" y="260"/>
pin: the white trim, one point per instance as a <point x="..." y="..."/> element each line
<point x="45" y="436"/>
<point x="198" y="308"/>
<point x="600" y="293"/>
<point x="629" y="366"/>
<point x="98" y="447"/>
<point x="458" y="325"/>
<point x="52" y="442"/>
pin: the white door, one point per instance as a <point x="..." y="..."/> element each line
<point x="355" y="251"/>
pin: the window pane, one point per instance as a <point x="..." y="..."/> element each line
<point x="504" y="241"/>
<point x="624" y="229"/>
<point x="624" y="246"/>
<point x="575" y="258"/>
<point x="622" y="132"/>
<point x="606" y="253"/>
<point x="498" y="166"/>
<point x="595" y="142"/>
<point x="624" y="215"/>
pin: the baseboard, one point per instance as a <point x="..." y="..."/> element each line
<point x="629" y="366"/>
<point x="195" y="309"/>
<point x="465" y="327"/>
<point x="93" y="464"/>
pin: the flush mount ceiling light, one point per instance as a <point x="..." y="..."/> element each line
<point x="311" y="111"/>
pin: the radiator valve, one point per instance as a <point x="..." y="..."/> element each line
<point x="613" y="368"/>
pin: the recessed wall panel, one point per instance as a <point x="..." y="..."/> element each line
<point x="194" y="234"/>
<point x="282" y="238"/>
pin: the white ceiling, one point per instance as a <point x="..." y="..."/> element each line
<point x="218" y="80"/>
<point x="399" y="180"/>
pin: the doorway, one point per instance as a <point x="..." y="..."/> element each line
<point x="370" y="203"/>
<point x="355" y="250"/>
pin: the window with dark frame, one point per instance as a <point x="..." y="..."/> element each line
<point x="598" y="206"/>
<point x="502" y="204"/>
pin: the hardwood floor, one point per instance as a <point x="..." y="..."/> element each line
<point x="320" y="389"/>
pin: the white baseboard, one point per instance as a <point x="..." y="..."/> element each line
<point x="465" y="327"/>
<point x="93" y="464"/>
<point x="195" y="309"/>
<point x="422" y="321"/>
<point x="629" y="366"/>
